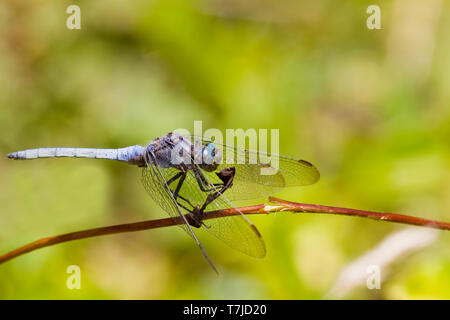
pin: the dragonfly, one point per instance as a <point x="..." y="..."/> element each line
<point x="188" y="176"/>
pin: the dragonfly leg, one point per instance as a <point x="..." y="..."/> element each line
<point x="195" y="217"/>
<point x="185" y="200"/>
<point x="196" y="213"/>
<point x="203" y="183"/>
<point x="176" y="194"/>
<point x="174" y="178"/>
<point x="227" y="176"/>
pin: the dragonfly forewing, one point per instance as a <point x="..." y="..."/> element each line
<point x="249" y="181"/>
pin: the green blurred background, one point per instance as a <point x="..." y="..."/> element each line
<point x="370" y="108"/>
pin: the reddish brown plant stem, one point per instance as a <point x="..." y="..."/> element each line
<point x="390" y="217"/>
<point x="121" y="228"/>
<point x="282" y="205"/>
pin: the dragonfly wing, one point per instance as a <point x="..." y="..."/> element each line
<point x="251" y="183"/>
<point x="237" y="231"/>
<point x="154" y="182"/>
<point x="248" y="183"/>
<point x="294" y="172"/>
<point x="297" y="172"/>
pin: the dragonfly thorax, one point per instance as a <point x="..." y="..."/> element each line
<point x="174" y="150"/>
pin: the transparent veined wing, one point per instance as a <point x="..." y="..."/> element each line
<point x="237" y="231"/>
<point x="154" y="184"/>
<point x="250" y="182"/>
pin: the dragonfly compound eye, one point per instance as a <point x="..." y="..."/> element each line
<point x="211" y="157"/>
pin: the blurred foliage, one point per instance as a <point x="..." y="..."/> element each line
<point x="370" y="108"/>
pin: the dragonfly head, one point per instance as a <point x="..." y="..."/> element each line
<point x="211" y="157"/>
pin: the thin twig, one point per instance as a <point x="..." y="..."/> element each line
<point x="282" y="206"/>
<point x="121" y="228"/>
<point x="390" y="217"/>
